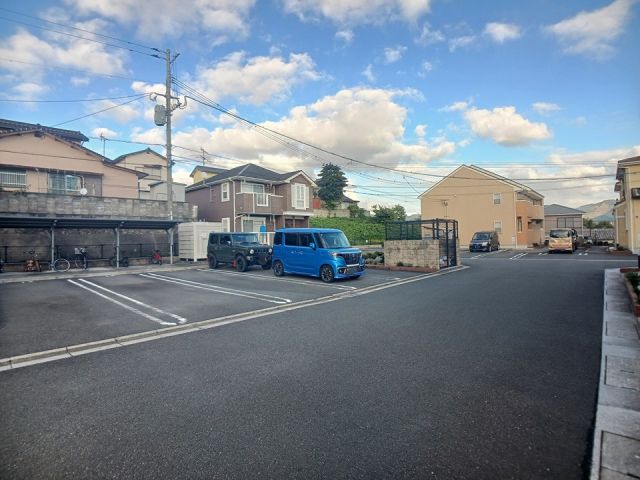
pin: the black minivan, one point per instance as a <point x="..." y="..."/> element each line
<point x="484" y="242"/>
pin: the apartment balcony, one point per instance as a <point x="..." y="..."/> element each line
<point x="259" y="203"/>
<point x="535" y="212"/>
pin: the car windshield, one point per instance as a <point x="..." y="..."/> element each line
<point x="480" y="236"/>
<point x="333" y="240"/>
<point x="246" y="238"/>
<point x="559" y="233"/>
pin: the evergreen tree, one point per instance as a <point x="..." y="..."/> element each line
<point x="331" y="183"/>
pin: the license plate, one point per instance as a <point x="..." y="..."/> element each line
<point x="351" y="270"/>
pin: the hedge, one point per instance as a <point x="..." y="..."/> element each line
<point x="359" y="231"/>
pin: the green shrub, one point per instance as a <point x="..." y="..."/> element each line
<point x="359" y="231"/>
<point x="399" y="264"/>
<point x="633" y="279"/>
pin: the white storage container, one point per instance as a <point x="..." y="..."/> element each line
<point x="193" y="238"/>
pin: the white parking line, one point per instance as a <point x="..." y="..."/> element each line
<point x="123" y="305"/>
<point x="214" y="288"/>
<point x="272" y="278"/>
<point x="179" y="319"/>
<point x="518" y="256"/>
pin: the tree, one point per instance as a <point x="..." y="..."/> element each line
<point x="355" y="211"/>
<point x="589" y="223"/>
<point x="331" y="183"/>
<point x="604" y="224"/>
<point x="388" y="214"/>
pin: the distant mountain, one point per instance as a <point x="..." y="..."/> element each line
<point x="599" y="212"/>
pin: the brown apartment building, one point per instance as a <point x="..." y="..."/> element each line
<point x="249" y="197"/>
<point x="483" y="201"/>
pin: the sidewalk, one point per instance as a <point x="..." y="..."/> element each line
<point x="616" y="440"/>
<point x="16" y="277"/>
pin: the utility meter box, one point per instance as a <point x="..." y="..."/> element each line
<point x="193" y="238"/>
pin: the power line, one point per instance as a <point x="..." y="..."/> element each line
<point x="79" y="37"/>
<point x="101" y="111"/>
<point x="71" y="101"/>
<point x="79" y="70"/>
<point x="79" y="29"/>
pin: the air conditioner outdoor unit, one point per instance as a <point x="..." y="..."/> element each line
<point x="635" y="193"/>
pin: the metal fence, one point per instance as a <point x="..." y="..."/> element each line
<point x="104" y="251"/>
<point x="443" y="229"/>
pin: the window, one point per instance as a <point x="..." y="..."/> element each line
<point x="213" y="238"/>
<point x="568" y="222"/>
<point x="291" y="239"/>
<point x="497" y="198"/>
<point x="225" y="239"/>
<point x="224" y="192"/>
<point x="63" y="184"/>
<point x="225" y="224"/>
<point x="519" y="224"/>
<point x="300" y="196"/>
<point x="305" y="239"/>
<point x="497" y="226"/>
<point x="277" y="238"/>
<point x="13" y="178"/>
<point x="258" y="191"/>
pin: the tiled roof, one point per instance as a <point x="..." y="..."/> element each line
<point x="202" y="168"/>
<point x="555" y="209"/>
<point x="146" y="150"/>
<point x="248" y="170"/>
<point x="13" y="126"/>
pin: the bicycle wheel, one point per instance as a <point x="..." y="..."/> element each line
<point x="61" y="265"/>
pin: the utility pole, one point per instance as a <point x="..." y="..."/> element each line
<point x="167" y="98"/>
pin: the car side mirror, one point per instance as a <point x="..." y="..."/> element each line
<point x="312" y="245"/>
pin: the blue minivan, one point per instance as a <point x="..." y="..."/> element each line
<point x="319" y="252"/>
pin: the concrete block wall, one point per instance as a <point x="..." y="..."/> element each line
<point x="419" y="253"/>
<point x="45" y="204"/>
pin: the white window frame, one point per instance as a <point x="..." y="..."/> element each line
<point x="13" y="178"/>
<point x="258" y="190"/>
<point x="224" y="192"/>
<point x="497" y="198"/>
<point x="226" y="224"/>
<point x="497" y="226"/>
<point x="299" y="187"/>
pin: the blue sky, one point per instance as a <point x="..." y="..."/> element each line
<point x="543" y="92"/>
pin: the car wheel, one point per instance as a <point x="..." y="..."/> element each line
<point x="278" y="269"/>
<point x="326" y="274"/>
<point x="213" y="261"/>
<point x="241" y="264"/>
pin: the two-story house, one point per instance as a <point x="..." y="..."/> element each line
<point x="37" y="160"/>
<point x="249" y="197"/>
<point x="627" y="208"/>
<point x="483" y="201"/>
<point x="153" y="186"/>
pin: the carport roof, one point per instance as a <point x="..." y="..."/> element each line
<point x="14" y="221"/>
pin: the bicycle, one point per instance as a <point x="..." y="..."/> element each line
<point x="113" y="261"/>
<point x="32" y="264"/>
<point x="61" y="264"/>
<point x="156" y="258"/>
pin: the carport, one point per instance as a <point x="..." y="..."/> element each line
<point x="117" y="225"/>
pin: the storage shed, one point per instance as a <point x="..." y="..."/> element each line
<point x="193" y="238"/>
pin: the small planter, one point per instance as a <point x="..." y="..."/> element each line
<point x="635" y="306"/>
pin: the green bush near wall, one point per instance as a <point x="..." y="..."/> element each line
<point x="359" y="231"/>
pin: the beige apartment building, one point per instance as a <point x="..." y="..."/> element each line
<point x="481" y="200"/>
<point x="626" y="211"/>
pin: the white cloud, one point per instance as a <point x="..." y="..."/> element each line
<point x="358" y="12"/>
<point x="392" y="55"/>
<point x="425" y="68"/>
<point x="545" y="108"/>
<point x="30" y="90"/>
<point x="54" y="50"/>
<point x="505" y="126"/>
<point x="181" y="175"/>
<point x="220" y="20"/>
<point x="120" y="113"/>
<point x="368" y="73"/>
<point x="345" y="35"/>
<point x="592" y="33"/>
<point x="255" y="80"/>
<point x="456" y="107"/>
<point x="421" y="130"/>
<point x="501" y="32"/>
<point x="461" y="42"/>
<point x="428" y="36"/>
<point x="329" y="123"/>
<point x="80" y="81"/>
<point x="103" y="132"/>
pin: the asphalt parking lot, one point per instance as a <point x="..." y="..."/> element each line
<point x="42" y="315"/>
<point x="594" y="253"/>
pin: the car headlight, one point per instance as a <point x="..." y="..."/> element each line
<point x="270" y="250"/>
<point x="334" y="254"/>
<point x="484" y="244"/>
<point x="251" y="252"/>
